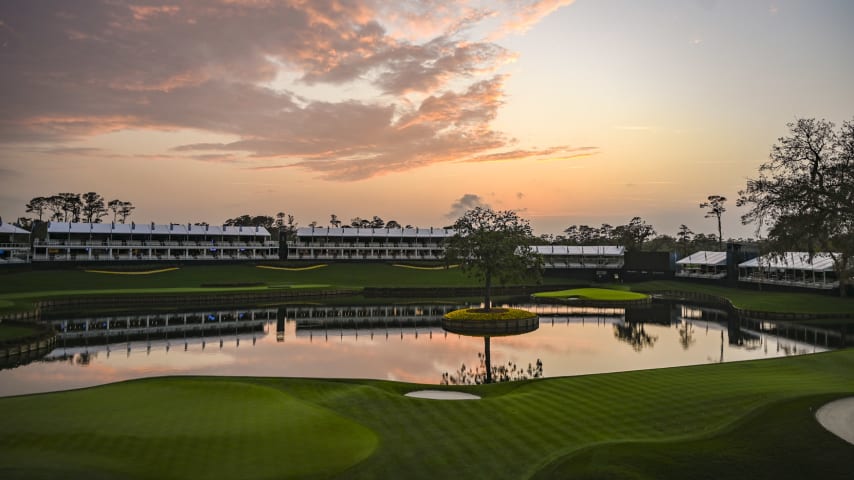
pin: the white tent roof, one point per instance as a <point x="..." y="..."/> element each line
<point x="704" y="258"/>
<point x="574" y="250"/>
<point x="155" y="229"/>
<point x="332" y="232"/>
<point x="821" y="262"/>
<point x="8" y="228"/>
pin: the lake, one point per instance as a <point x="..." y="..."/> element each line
<point x="403" y="342"/>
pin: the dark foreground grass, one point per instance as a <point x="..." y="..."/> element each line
<point x="672" y="420"/>
<point x="778" y="441"/>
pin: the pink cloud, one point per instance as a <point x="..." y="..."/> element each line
<point x="115" y="65"/>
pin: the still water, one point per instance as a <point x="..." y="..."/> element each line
<point x="394" y="342"/>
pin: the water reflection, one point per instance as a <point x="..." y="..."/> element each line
<point x="397" y="342"/>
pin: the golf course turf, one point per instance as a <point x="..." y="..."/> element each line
<point x="736" y="420"/>
<point x="724" y="420"/>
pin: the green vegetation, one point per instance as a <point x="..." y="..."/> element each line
<point x="479" y="314"/>
<point x="791" y="302"/>
<point x="12" y="332"/>
<point x="747" y="419"/>
<point x="19" y="289"/>
<point x="598" y="294"/>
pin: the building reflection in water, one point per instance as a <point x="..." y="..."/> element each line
<point x="397" y="342"/>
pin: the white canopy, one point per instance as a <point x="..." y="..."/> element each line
<point x="8" y="228"/>
<point x="820" y="262"/>
<point x="704" y="258"/>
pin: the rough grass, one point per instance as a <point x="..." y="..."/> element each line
<point x="598" y="294"/>
<point x="678" y="423"/>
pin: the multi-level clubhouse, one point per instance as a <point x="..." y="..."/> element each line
<point x="331" y="243"/>
<point x="85" y="242"/>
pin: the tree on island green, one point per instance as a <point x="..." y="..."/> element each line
<point x="805" y="194"/>
<point x="493" y="246"/>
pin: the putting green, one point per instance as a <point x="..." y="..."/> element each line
<point x="177" y="428"/>
<point x="601" y="294"/>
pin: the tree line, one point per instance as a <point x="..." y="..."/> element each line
<point x="89" y="207"/>
<point x="636" y="235"/>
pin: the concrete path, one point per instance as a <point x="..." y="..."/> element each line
<point x="442" y="395"/>
<point x="838" y="418"/>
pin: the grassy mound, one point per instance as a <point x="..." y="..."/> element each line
<point x="479" y="314"/>
<point x="177" y="428"/>
<point x="596" y="294"/>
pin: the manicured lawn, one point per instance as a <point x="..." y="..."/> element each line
<point x="17" y="290"/>
<point x="599" y="294"/>
<point x="713" y="420"/>
<point x="792" y="302"/>
<point x="11" y="332"/>
<point x="178" y="428"/>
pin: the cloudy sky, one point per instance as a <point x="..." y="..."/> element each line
<point x="569" y="112"/>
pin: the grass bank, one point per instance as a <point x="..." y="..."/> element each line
<point x="728" y="420"/>
<point x="784" y="302"/>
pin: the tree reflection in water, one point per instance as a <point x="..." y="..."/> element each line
<point x="686" y="335"/>
<point x="635" y="335"/>
<point x="499" y="373"/>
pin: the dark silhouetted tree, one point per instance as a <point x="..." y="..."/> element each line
<point x="805" y="194"/>
<point x="37" y="205"/>
<point x="93" y="207"/>
<point x="716" y="208"/>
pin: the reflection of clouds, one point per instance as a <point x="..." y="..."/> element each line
<point x="565" y="349"/>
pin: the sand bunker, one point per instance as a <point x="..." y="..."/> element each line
<point x="442" y="395"/>
<point x="838" y="418"/>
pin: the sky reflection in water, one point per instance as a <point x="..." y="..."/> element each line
<point x="567" y="343"/>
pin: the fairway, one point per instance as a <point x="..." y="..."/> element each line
<point x="720" y="419"/>
<point x="177" y="428"/>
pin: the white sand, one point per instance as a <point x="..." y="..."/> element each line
<point x="838" y="417"/>
<point x="442" y="395"/>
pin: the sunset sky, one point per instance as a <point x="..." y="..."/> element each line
<point x="580" y="112"/>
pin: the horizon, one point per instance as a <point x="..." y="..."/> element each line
<point x="567" y="112"/>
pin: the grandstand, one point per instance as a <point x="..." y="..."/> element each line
<point x="91" y="242"/>
<point x="330" y="243"/>
<point x="14" y="244"/>
<point x="582" y="257"/>
<point x="792" y="269"/>
<point x="703" y="264"/>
